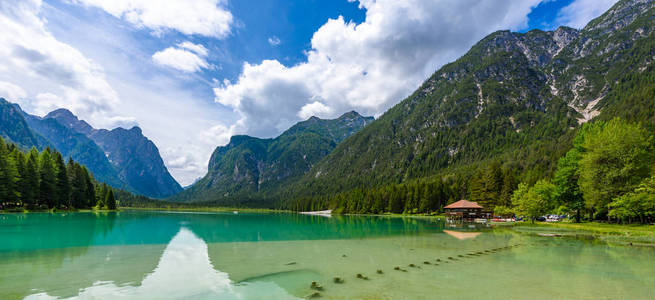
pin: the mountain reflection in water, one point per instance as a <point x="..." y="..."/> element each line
<point x="184" y="272"/>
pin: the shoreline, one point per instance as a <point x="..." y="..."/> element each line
<point x="625" y="234"/>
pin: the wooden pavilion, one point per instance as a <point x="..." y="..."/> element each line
<point x="464" y="209"/>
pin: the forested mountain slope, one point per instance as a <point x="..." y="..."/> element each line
<point x="77" y="146"/>
<point x="514" y="97"/>
<point x="14" y="128"/>
<point x="250" y="171"/>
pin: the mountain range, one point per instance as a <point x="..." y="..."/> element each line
<point x="513" y="97"/>
<point x="515" y="100"/>
<point x="120" y="157"/>
<point x="250" y="171"/>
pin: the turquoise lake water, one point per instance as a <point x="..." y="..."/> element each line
<point x="168" y="255"/>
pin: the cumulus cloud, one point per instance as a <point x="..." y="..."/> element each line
<point x="189" y="161"/>
<point x="187" y="57"/>
<point x="274" y="41"/>
<point x="197" y="48"/>
<point x="315" y="108"/>
<point x="580" y="12"/>
<point x="367" y="67"/>
<point x="11" y="91"/>
<point x="202" y="17"/>
<point x="47" y="73"/>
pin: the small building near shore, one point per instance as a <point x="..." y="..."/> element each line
<point x="464" y="209"/>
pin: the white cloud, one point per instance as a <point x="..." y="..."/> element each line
<point x="51" y="74"/>
<point x="367" y="67"/>
<point x="11" y="91"/>
<point x="197" y="48"/>
<point x="189" y="161"/>
<point x="41" y="73"/>
<point x="274" y="41"/>
<point x="315" y="108"/>
<point x="580" y="12"/>
<point x="202" y="17"/>
<point x="186" y="57"/>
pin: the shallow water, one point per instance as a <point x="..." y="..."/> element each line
<point x="162" y="255"/>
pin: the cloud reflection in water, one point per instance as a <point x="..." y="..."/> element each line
<point x="184" y="272"/>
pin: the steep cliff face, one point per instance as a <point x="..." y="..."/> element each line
<point x="134" y="159"/>
<point x="250" y="169"/>
<point x="510" y="92"/>
<point x="137" y="161"/>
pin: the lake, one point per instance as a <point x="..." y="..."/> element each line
<point x="170" y="255"/>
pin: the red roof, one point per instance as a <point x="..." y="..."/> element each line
<point x="464" y="204"/>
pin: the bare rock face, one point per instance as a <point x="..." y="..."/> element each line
<point x="137" y="161"/>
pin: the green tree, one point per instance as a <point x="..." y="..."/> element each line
<point x="102" y="196"/>
<point x="78" y="185"/>
<point x="30" y="181"/>
<point x="110" y="201"/>
<point x="617" y="156"/>
<point x="509" y="185"/>
<point x="535" y="201"/>
<point x="63" y="188"/>
<point x="395" y="201"/>
<point x="90" y="189"/>
<point x="638" y="204"/>
<point x="566" y="180"/>
<point x="19" y="158"/>
<point x="48" y="180"/>
<point x="8" y="176"/>
<point x="486" y="187"/>
<point x="503" y="211"/>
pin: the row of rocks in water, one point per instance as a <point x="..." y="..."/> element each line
<point x="317" y="288"/>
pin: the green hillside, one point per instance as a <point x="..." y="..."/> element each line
<point x="506" y="111"/>
<point x="251" y="171"/>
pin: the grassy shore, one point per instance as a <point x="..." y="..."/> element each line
<point x="208" y="209"/>
<point x="22" y="210"/>
<point x="635" y="234"/>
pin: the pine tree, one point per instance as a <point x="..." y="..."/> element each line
<point x="110" y="201"/>
<point x="63" y="191"/>
<point x="102" y="196"/>
<point x="8" y="176"/>
<point x="395" y="201"/>
<point x="19" y="158"/>
<point x="30" y="181"/>
<point x="509" y="185"/>
<point x="48" y="180"/>
<point x="477" y="187"/>
<point x="90" y="189"/>
<point x="78" y="184"/>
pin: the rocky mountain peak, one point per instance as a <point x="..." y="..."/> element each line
<point x="620" y="15"/>
<point x="350" y="115"/>
<point x="67" y="118"/>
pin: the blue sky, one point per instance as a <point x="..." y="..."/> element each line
<point x="192" y="73"/>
